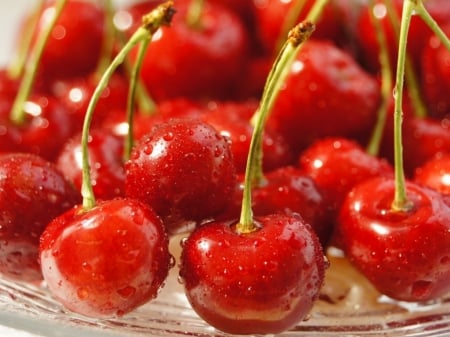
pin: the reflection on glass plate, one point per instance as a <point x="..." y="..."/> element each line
<point x="348" y="306"/>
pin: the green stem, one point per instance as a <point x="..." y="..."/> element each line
<point x="373" y="147"/>
<point x="16" y="68"/>
<point x="275" y="80"/>
<point x="289" y="22"/>
<point x="401" y="202"/>
<point x="194" y="14"/>
<point x="161" y="15"/>
<point x="428" y="19"/>
<point x="410" y="74"/>
<point x="129" y="140"/>
<point x="17" y="112"/>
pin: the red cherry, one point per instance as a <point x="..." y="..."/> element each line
<point x="435" y="174"/>
<point x="196" y="62"/>
<point x="106" y="153"/>
<point x="263" y="282"/>
<point x="271" y="14"/>
<point x="232" y="120"/>
<point x="436" y="77"/>
<point x="184" y="170"/>
<point x="75" y="43"/>
<point x="76" y="94"/>
<point x="405" y="254"/>
<point x="105" y="261"/>
<point x="47" y="125"/>
<point x="326" y="94"/>
<point x="32" y="193"/>
<point x="337" y="165"/>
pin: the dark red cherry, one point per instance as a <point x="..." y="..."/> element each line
<point x="201" y="61"/>
<point x="405" y="254"/>
<point x="184" y="170"/>
<point x="75" y="43"/>
<point x="262" y="282"/>
<point x="337" y="165"/>
<point x="326" y="94"/>
<point x="105" y="261"/>
<point x="106" y="153"/>
<point x="32" y="193"/>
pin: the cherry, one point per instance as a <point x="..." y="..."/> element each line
<point x="106" y="151"/>
<point x="264" y="281"/>
<point x="435" y="174"/>
<point x="271" y="16"/>
<point x="436" y="76"/>
<point x="32" y="192"/>
<point x="337" y="164"/>
<point x="105" y="261"/>
<point x="325" y="84"/>
<point x="212" y="51"/>
<point x="184" y="169"/>
<point x="232" y="119"/>
<point x="75" y="43"/>
<point x="405" y="254"/>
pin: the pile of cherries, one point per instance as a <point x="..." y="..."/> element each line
<point x="101" y="166"/>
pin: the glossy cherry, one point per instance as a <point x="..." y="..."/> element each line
<point x="435" y="174"/>
<point x="264" y="282"/>
<point x="337" y="164"/>
<point x="32" y="192"/>
<point x="105" y="261"/>
<point x="325" y="83"/>
<point x="106" y="153"/>
<point x="405" y="254"/>
<point x="184" y="170"/>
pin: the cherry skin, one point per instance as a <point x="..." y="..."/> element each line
<point x="405" y="254"/>
<point x="106" y="152"/>
<point x="196" y="62"/>
<point x="263" y="282"/>
<point x="435" y="174"/>
<point x="337" y="165"/>
<point x="75" y="43"/>
<point x="184" y="170"/>
<point x="32" y="193"/>
<point x="106" y="261"/>
<point x="325" y="83"/>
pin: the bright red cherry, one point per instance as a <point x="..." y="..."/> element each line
<point x="405" y="254"/>
<point x="32" y="193"/>
<point x="435" y="174"/>
<point x="105" y="261"/>
<point x="106" y="153"/>
<point x="261" y="282"/>
<point x="184" y="170"/>
<point x="326" y="94"/>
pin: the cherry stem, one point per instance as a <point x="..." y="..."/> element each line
<point x="410" y="75"/>
<point x="129" y="141"/>
<point x="373" y="146"/>
<point x="401" y="202"/>
<point x="194" y="14"/>
<point x="17" y="112"/>
<point x="432" y="24"/>
<point x="16" y="68"/>
<point x="161" y="15"/>
<point x="275" y="80"/>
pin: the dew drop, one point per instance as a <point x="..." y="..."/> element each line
<point x="168" y="136"/>
<point x="172" y="261"/>
<point x="420" y="288"/>
<point x="148" y="149"/>
<point x="82" y="293"/>
<point x="127" y="291"/>
<point x="180" y="279"/>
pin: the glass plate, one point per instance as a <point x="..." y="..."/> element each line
<point x="348" y="306"/>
